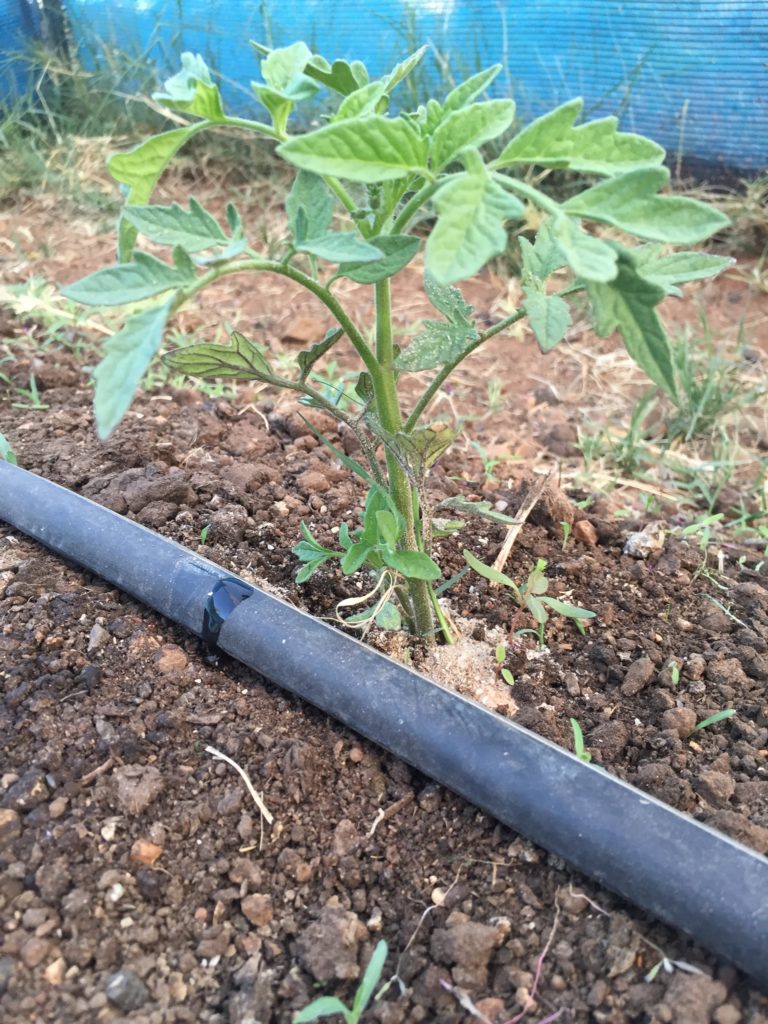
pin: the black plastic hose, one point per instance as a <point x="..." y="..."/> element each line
<point x="684" y="873"/>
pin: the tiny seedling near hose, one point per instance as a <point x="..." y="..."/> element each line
<point x="6" y="452"/>
<point x="330" y="1006"/>
<point x="501" y="657"/>
<point x="531" y="596"/>
<point x="367" y="182"/>
<point x="578" y="742"/>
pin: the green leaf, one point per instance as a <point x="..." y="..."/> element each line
<point x="376" y="963"/>
<point x="192" y="90"/>
<point x="572" y="611"/>
<point x="414" y="565"/>
<point x="536" y="608"/>
<point x="388" y="617"/>
<point x="593" y="148"/>
<point x="588" y="257"/>
<point x="628" y="305"/>
<point x="466" y="92"/>
<point x="482" y="509"/>
<point x="441" y="341"/>
<point x="667" y="271"/>
<point x="283" y="71"/>
<point x="719" y="716"/>
<point x="128" y="282"/>
<point x="469" y="231"/>
<point x="308" y="358"/>
<point x="340" y="76"/>
<point x="6" y="452"/>
<point x="470" y="126"/>
<point x="127" y="355"/>
<point x="387" y="527"/>
<point x="364" y="101"/>
<point x="194" y="229"/>
<point x="397" y="250"/>
<point x="489" y="572"/>
<point x="341" y="247"/>
<point x="356" y="557"/>
<point x="139" y="170"/>
<point x="630" y="202"/>
<point x="309" y="196"/>
<point x="548" y="315"/>
<point x="543" y="257"/>
<point x="369" y="150"/>
<point x="325" y="1006"/>
<point x="238" y="358"/>
<point x="403" y="69"/>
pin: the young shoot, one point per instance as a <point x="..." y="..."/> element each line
<point x="330" y="1006"/>
<point x="365" y="184"/>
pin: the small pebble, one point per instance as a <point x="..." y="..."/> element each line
<point x="126" y="990"/>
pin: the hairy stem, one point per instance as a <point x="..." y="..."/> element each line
<point x="390" y="419"/>
<point x="447" y="370"/>
<point x="286" y="270"/>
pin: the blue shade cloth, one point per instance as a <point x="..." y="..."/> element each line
<point x="692" y="74"/>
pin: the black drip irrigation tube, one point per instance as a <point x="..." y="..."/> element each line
<point x="684" y="873"/>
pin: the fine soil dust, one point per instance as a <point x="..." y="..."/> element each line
<point x="141" y="883"/>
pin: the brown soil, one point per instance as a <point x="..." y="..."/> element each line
<point x="140" y="882"/>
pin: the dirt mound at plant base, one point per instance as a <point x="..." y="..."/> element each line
<point x="138" y="876"/>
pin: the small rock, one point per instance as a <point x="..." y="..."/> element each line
<point x="610" y="738"/>
<point x="695" y="666"/>
<point x="126" y="990"/>
<point x="716" y="787"/>
<point x="7" y="967"/>
<point x="679" y="720"/>
<point x="639" y="674"/>
<point x="491" y="1008"/>
<point x="257" y="908"/>
<point x="10" y="826"/>
<point x="304" y="330"/>
<point x="429" y="799"/>
<point x="228" y="525"/>
<point x="312" y="481"/>
<point x="28" y="792"/>
<point x="97" y="638"/>
<point x="741" y="828"/>
<point x="694" y="997"/>
<point x="727" y="1014"/>
<point x="144" y="852"/>
<point x="584" y="531"/>
<point x="34" y="951"/>
<point x="356" y="755"/>
<point x="468" y="945"/>
<point x="58" y="806"/>
<point x="645" y="542"/>
<point x="171" y="660"/>
<point x="328" y="947"/>
<point x="137" y="786"/>
<point x="55" y="971"/>
<point x="345" y="837"/>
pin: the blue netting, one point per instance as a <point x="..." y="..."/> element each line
<point x="692" y="74"/>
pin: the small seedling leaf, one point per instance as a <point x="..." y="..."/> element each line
<point x="593" y="148"/>
<point x="6" y="452"/>
<point x="630" y="202"/>
<point x="470" y="126"/>
<point x="369" y="150"/>
<point x="376" y="963"/>
<point x="370" y="99"/>
<point x="340" y="76"/>
<point x="283" y="71"/>
<point x="543" y="257"/>
<point x="127" y="355"/>
<point x="488" y="571"/>
<point x="325" y="1006"/>
<point x="472" y="209"/>
<point x="719" y="716"/>
<point x="401" y="71"/>
<point x="628" y="304"/>
<point x="239" y="359"/>
<point x="413" y="565"/>
<point x="341" y="247"/>
<point x="572" y="611"/>
<point x="397" y="251"/>
<point x="388" y="617"/>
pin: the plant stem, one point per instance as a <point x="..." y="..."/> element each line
<point x="286" y="270"/>
<point x="411" y="207"/>
<point x="390" y="419"/>
<point x="448" y="369"/>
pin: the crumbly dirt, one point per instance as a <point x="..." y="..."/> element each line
<point x="139" y="881"/>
